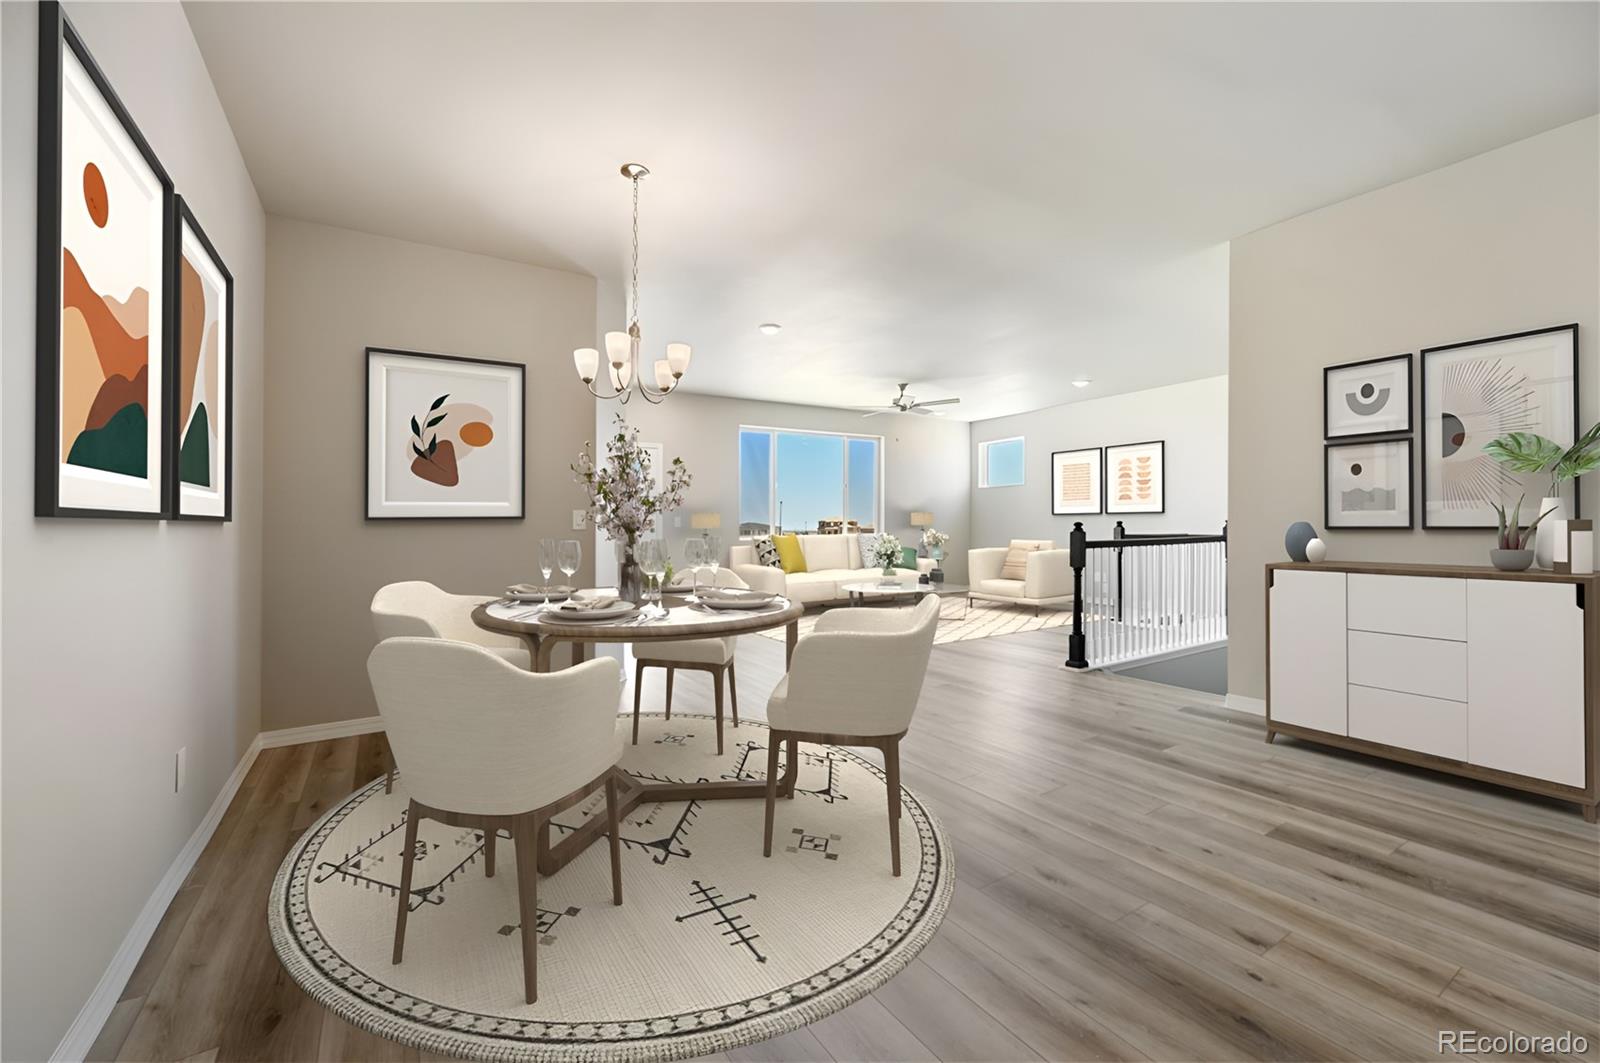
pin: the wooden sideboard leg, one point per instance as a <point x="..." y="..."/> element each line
<point x="1589" y="813"/>
<point x="1271" y="734"/>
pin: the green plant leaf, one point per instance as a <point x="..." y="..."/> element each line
<point x="433" y="445"/>
<point x="437" y="419"/>
<point x="416" y="429"/>
<point x="1524" y="451"/>
<point x="438" y="402"/>
<point x="1583" y="456"/>
<point x="417" y="451"/>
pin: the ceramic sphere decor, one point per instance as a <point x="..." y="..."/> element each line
<point x="713" y="947"/>
<point x="1295" y="539"/>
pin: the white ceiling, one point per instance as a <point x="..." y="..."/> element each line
<point x="988" y="201"/>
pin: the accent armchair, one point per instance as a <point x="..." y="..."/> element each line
<point x="714" y="655"/>
<point x="1047" y="578"/>
<point x="486" y="745"/>
<point x="854" y="680"/>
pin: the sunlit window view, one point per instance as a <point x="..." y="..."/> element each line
<point x="807" y="482"/>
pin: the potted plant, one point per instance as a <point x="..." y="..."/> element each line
<point x="886" y="552"/>
<point x="1511" y="553"/>
<point x="623" y="501"/>
<point x="1529" y="452"/>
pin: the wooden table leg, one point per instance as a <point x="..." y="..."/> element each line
<point x="791" y="638"/>
<point x="532" y="644"/>
<point x="547" y="649"/>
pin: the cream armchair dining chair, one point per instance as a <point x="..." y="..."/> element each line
<point x="714" y="655"/>
<point x="854" y="681"/>
<point x="489" y="746"/>
<point x="418" y="608"/>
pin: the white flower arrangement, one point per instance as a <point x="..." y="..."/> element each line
<point x="934" y="539"/>
<point x="621" y="500"/>
<point x="887" y="550"/>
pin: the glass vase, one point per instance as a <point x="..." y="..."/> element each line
<point x="630" y="577"/>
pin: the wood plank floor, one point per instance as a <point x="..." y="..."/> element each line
<point x="1138" y="876"/>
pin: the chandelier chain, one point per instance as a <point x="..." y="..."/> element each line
<point x="635" y="251"/>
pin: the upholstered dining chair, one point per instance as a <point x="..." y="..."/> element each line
<point x="853" y="681"/>
<point x="416" y="607"/>
<point x="714" y="655"/>
<point x="486" y="745"/>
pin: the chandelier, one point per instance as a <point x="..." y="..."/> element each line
<point x="622" y="348"/>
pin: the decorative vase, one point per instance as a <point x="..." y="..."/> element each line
<point x="1544" y="536"/>
<point x="1316" y="551"/>
<point x="1295" y="539"/>
<point x="630" y="577"/>
<point x="1511" y="560"/>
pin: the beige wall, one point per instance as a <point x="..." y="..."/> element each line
<point x="124" y="639"/>
<point x="330" y="294"/>
<point x="1499" y="243"/>
<point x="924" y="462"/>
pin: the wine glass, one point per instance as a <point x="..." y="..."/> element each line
<point x="713" y="556"/>
<point x="694" y="556"/>
<point x="653" y="563"/>
<point x="569" y="555"/>
<point x="547" y="562"/>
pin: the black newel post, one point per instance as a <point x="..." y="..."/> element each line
<point x="1079" y="553"/>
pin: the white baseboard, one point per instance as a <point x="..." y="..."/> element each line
<point x="80" y="1036"/>
<point x="320" y="732"/>
<point x="92" y="1016"/>
<point x="1241" y="703"/>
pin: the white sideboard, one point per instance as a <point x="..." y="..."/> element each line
<point x="1482" y="673"/>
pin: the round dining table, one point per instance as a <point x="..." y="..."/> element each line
<point x="542" y="629"/>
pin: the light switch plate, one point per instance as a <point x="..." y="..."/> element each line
<point x="178" y="764"/>
<point x="577" y="520"/>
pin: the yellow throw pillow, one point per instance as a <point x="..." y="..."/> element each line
<point x="790" y="556"/>
<point x="1016" y="566"/>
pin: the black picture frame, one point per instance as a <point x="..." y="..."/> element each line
<point x="185" y="216"/>
<point x="1410" y="425"/>
<point x="1100" y="471"/>
<point x="1422" y="462"/>
<point x="521" y="391"/>
<point x="56" y="34"/>
<point x="1411" y="483"/>
<point x="1105" y="477"/>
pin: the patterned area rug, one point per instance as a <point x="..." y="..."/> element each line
<point x="713" y="947"/>
<point x="959" y="621"/>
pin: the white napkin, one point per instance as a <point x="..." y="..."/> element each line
<point x="584" y="605"/>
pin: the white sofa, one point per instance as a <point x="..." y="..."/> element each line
<point x="1048" y="581"/>
<point x="831" y="562"/>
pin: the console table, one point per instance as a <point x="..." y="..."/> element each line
<point x="1487" y="674"/>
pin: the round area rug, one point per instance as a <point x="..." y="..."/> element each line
<point x="713" y="947"/>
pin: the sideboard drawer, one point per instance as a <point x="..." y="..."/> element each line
<point x="1432" y="607"/>
<point x="1434" y="668"/>
<point x="1427" y="725"/>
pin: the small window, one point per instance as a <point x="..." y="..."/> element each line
<point x="1000" y="463"/>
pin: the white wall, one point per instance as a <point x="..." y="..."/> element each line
<point x="1506" y="241"/>
<point x="1191" y="417"/>
<point x="331" y="293"/>
<point x="123" y="640"/>
<point x="924" y="462"/>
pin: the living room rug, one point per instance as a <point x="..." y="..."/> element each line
<point x="959" y="620"/>
<point x="713" y="947"/>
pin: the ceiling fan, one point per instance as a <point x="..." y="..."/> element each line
<point x="904" y="403"/>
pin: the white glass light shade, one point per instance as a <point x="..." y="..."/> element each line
<point x="664" y="379"/>
<point x="678" y="357"/>
<point x="618" y="348"/>
<point x="587" y="359"/>
<point x="622" y="376"/>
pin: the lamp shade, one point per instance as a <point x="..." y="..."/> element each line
<point x="919" y="519"/>
<point x="678" y="357"/>
<point x="618" y="348"/>
<point x="587" y="359"/>
<point x="664" y="380"/>
<point x="705" y="520"/>
<point x="622" y="376"/>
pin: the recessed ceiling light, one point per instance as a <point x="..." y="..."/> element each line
<point x="771" y="328"/>
<point x="1081" y="383"/>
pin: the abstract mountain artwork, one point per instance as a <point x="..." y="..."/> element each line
<point x="203" y="438"/>
<point x="1136" y="478"/>
<point x="103" y="340"/>
<point x="1474" y="393"/>
<point x="445" y="436"/>
<point x="1367" y="398"/>
<point x="1367" y="485"/>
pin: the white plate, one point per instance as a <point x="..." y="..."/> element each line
<point x="739" y="604"/>
<point x="610" y="612"/>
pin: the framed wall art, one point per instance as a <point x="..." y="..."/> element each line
<point x="202" y="443"/>
<point x="1473" y="393"/>
<point x="1367" y="484"/>
<point x="1136" y="478"/>
<point x="1367" y="398"/>
<point x="105" y="258"/>
<point x="445" y="436"/>
<point x="1075" y="481"/>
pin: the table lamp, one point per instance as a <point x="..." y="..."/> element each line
<point x="705" y="523"/>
